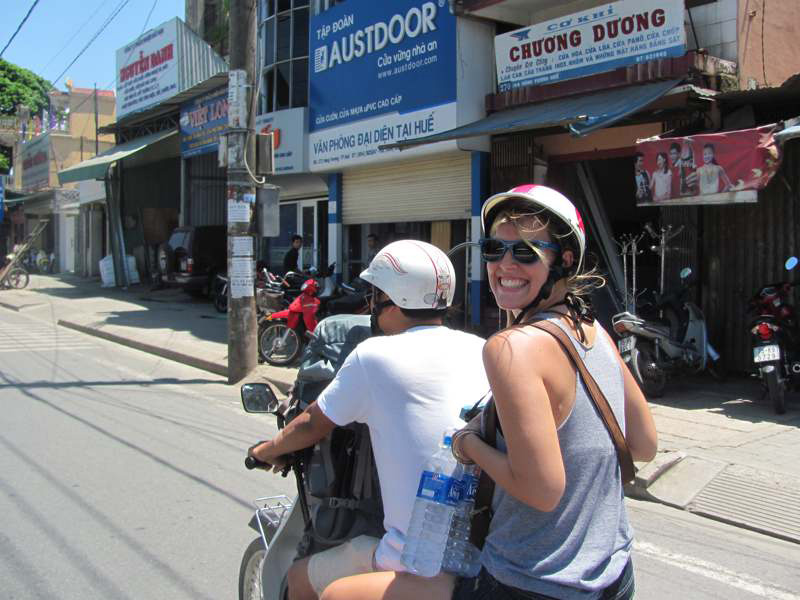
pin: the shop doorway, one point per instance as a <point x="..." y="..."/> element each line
<point x="295" y="218"/>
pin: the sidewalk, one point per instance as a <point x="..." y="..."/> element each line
<point x="168" y="323"/>
<point x="723" y="453"/>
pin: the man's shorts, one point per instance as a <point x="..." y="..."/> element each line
<point x="355" y="557"/>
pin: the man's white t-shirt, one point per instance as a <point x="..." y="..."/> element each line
<point x="408" y="388"/>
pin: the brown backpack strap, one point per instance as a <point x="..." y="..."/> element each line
<point x="482" y="513"/>
<point x="609" y="420"/>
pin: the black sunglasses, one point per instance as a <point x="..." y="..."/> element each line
<point x="493" y="250"/>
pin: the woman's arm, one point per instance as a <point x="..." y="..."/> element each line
<point x="532" y="470"/>
<point x="726" y="182"/>
<point x="640" y="429"/>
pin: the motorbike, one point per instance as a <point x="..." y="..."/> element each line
<point x="338" y="495"/>
<point x="220" y="293"/>
<point x="673" y="338"/>
<point x="283" y="334"/>
<point x="775" y="339"/>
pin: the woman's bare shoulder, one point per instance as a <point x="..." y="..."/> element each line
<point x="519" y="344"/>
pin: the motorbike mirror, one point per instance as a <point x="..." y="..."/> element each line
<point x="649" y="228"/>
<point x="685" y="272"/>
<point x="259" y="398"/>
<point x="791" y="263"/>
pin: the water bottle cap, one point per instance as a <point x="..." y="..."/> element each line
<point x="448" y="440"/>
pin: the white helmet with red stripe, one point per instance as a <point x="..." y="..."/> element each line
<point x="414" y="275"/>
<point x="539" y="197"/>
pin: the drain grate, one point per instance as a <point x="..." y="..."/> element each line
<point x="766" y="503"/>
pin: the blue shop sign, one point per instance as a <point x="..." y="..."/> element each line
<point x="369" y="59"/>
<point x="203" y="120"/>
<point x="2" y="197"/>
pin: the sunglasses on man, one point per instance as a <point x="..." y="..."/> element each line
<point x="493" y="250"/>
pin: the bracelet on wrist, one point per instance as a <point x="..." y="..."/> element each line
<point x="454" y="447"/>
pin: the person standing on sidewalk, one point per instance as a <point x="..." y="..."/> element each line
<point x="291" y="259"/>
<point x="559" y="528"/>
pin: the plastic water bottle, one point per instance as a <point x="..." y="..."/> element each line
<point x="437" y="496"/>
<point x="461" y="556"/>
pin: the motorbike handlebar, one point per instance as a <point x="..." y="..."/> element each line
<point x="253" y="463"/>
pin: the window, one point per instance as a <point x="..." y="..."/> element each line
<point x="284" y="26"/>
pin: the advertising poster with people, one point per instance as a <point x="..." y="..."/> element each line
<point x="716" y="168"/>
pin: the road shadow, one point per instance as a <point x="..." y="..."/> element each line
<point x="740" y="398"/>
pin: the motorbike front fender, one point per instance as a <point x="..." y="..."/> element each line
<point x="281" y="552"/>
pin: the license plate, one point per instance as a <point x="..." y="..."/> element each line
<point x="767" y="353"/>
<point x="626" y="344"/>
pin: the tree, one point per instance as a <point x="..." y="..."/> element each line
<point x="21" y="86"/>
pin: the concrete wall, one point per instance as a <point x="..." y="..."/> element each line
<point x="780" y="19"/>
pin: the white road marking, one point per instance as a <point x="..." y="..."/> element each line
<point x="716" y="572"/>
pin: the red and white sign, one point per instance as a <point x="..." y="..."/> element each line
<point x="35" y="160"/>
<point x="593" y="41"/>
<point x="715" y="168"/>
<point x="147" y="69"/>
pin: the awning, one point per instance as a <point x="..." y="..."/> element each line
<point x="96" y="168"/>
<point x="580" y="114"/>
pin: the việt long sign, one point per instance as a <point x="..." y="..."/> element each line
<point x="593" y="41"/>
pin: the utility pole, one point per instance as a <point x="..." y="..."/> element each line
<point x="96" y="124"/>
<point x="241" y="191"/>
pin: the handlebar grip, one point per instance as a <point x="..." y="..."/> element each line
<point x="253" y="463"/>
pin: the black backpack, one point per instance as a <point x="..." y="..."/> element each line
<point x="341" y="480"/>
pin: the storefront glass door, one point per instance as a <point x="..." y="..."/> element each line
<point x="296" y="218"/>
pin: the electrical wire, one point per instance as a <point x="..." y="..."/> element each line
<point x="79" y="30"/>
<point x="25" y="18"/>
<point x="763" y="60"/>
<point x="107" y="22"/>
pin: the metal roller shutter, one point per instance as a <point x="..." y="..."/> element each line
<point x="435" y="188"/>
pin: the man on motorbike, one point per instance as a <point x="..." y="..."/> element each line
<point x="408" y="387"/>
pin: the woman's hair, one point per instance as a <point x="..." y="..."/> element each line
<point x="666" y="161"/>
<point x="527" y="221"/>
<point x="713" y="152"/>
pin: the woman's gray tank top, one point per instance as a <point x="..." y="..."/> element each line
<point x="582" y="546"/>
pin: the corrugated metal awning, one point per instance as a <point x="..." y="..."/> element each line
<point x="580" y="114"/>
<point x="95" y="168"/>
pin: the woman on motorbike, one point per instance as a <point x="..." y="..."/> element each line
<point x="559" y="528"/>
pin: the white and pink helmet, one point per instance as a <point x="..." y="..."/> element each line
<point x="539" y="197"/>
<point x="415" y="275"/>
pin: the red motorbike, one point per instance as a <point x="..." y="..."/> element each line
<point x="775" y="338"/>
<point x="282" y="335"/>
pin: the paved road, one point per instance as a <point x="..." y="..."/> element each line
<point x="121" y="474"/>
<point x="121" y="477"/>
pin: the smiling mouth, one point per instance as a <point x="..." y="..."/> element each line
<point x="512" y="284"/>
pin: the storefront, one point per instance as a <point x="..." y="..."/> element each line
<point x="303" y="208"/>
<point x="403" y="81"/>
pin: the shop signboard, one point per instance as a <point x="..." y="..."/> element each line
<point x="2" y="197"/>
<point x="714" y="168"/>
<point x="203" y="120"/>
<point x="289" y="128"/>
<point x="380" y="72"/>
<point x="592" y="41"/>
<point x="35" y="159"/>
<point x="148" y="69"/>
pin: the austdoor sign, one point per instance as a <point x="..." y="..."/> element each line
<point x="203" y="120"/>
<point x="380" y="72"/>
<point x="595" y="40"/>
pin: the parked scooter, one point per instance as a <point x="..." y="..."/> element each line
<point x="775" y="338"/>
<point x="674" y="341"/>
<point x="283" y="334"/>
<point x="219" y="293"/>
<point x="338" y="495"/>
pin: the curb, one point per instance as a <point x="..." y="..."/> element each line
<point x="650" y="472"/>
<point x="9" y="307"/>
<point x="180" y="357"/>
